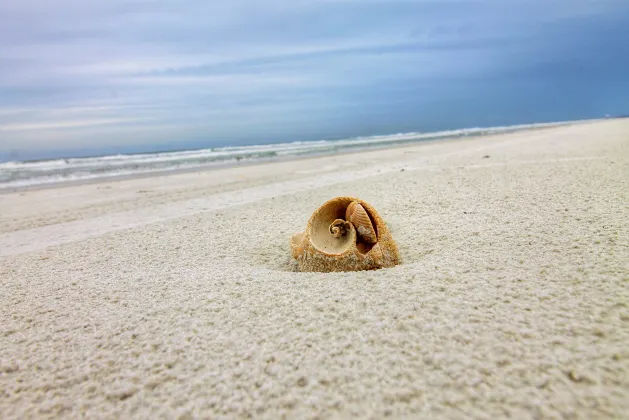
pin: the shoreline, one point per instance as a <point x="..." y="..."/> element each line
<point x="263" y="161"/>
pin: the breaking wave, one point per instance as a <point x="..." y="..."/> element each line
<point x="19" y="174"/>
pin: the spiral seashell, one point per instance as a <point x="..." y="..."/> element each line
<point x="332" y="241"/>
<point x="339" y="227"/>
<point x="357" y="215"/>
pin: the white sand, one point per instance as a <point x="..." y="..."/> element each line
<point x="175" y="295"/>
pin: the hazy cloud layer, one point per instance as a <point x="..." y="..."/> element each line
<point x="82" y="76"/>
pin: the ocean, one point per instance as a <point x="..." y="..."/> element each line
<point x="27" y="174"/>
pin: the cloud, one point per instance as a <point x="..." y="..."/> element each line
<point x="63" y="124"/>
<point x="103" y="72"/>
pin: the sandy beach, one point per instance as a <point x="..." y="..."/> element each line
<point x="176" y="296"/>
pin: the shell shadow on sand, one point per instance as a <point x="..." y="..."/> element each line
<point x="344" y="234"/>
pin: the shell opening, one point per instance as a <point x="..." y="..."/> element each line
<point x="339" y="225"/>
<point x="323" y="234"/>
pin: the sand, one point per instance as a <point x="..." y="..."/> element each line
<point x="175" y="296"/>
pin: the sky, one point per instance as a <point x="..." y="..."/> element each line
<point x="84" y="77"/>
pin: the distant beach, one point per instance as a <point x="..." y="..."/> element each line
<point x="33" y="174"/>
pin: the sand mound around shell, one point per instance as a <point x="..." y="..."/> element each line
<point x="344" y="234"/>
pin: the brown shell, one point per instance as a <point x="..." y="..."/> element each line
<point x="357" y="215"/>
<point x="339" y="228"/>
<point x="321" y="248"/>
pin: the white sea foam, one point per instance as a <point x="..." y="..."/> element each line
<point x="25" y="174"/>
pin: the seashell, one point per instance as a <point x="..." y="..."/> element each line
<point x="344" y="234"/>
<point x="339" y="227"/>
<point x="357" y="215"/>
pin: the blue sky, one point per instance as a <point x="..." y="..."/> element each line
<point x="82" y="77"/>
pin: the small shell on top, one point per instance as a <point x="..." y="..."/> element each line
<point x="357" y="215"/>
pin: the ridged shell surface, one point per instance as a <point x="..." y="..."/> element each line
<point x="357" y="215"/>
